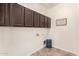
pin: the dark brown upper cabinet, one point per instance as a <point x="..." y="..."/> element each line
<point x="28" y="17"/>
<point x="13" y="14"/>
<point x="16" y="15"/>
<point x="2" y="15"/>
<point x="36" y="19"/>
<point x="42" y="20"/>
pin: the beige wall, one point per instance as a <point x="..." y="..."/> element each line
<point x="22" y="40"/>
<point x="65" y="37"/>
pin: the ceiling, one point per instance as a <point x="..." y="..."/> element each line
<point x="49" y="5"/>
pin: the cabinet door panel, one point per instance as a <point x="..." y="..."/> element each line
<point x="1" y="14"/>
<point x="16" y="15"/>
<point x="46" y="22"/>
<point x="7" y="14"/>
<point x="49" y="23"/>
<point x="42" y="21"/>
<point x="28" y="17"/>
<point x="36" y="19"/>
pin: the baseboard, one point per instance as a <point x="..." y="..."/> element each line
<point x="67" y="50"/>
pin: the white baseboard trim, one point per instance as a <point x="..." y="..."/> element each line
<point x="67" y="50"/>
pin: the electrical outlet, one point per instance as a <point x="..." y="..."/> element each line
<point x="37" y="34"/>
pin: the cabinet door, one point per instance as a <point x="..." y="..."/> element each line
<point x="28" y="17"/>
<point x="49" y="22"/>
<point x="7" y="14"/>
<point x="36" y="19"/>
<point x="46" y="22"/>
<point x="1" y="14"/>
<point x="16" y="15"/>
<point x="42" y="21"/>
